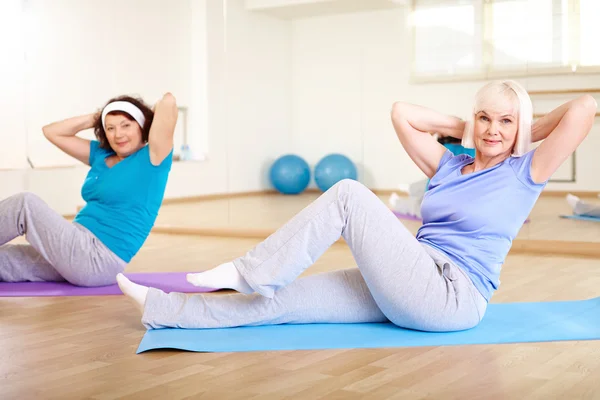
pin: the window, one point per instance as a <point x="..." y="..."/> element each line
<point x="522" y="34"/>
<point x="502" y="37"/>
<point x="181" y="145"/>
<point x="446" y="39"/>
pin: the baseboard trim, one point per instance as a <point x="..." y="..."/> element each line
<point x="216" y="196"/>
<point x="235" y="233"/>
<point x="379" y="192"/>
<point x="557" y="248"/>
<point x="564" y="193"/>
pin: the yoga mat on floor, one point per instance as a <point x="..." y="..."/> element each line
<point x="167" y="281"/>
<point x="582" y="217"/>
<point x="406" y="216"/>
<point x="503" y="323"/>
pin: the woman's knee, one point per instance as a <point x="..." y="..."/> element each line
<point x="27" y="198"/>
<point x="353" y="189"/>
<point x="349" y="185"/>
<point x="92" y="278"/>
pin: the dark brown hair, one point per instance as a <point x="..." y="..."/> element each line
<point x="139" y="103"/>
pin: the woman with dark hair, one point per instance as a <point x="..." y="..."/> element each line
<point x="130" y="162"/>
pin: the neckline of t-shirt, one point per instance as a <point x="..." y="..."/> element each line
<point x="463" y="164"/>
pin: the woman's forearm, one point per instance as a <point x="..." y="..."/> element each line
<point x="546" y="124"/>
<point x="427" y="120"/>
<point x="70" y="126"/>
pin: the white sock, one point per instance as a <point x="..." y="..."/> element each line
<point x="225" y="276"/>
<point x="137" y="293"/>
<point x="573" y="201"/>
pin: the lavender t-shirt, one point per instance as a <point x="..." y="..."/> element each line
<point x="474" y="218"/>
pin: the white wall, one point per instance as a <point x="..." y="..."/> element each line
<point x="82" y="53"/>
<point x="258" y="95"/>
<point x="12" y="181"/>
<point x="349" y="69"/>
<point x="67" y="58"/>
<point x="327" y="90"/>
<point x="13" y="141"/>
<point x="247" y="92"/>
<point x="221" y="72"/>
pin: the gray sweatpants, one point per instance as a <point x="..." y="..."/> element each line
<point x="58" y="250"/>
<point x="398" y="279"/>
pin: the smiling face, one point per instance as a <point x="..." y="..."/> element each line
<point x="495" y="132"/>
<point x="123" y="134"/>
<point x="501" y="125"/>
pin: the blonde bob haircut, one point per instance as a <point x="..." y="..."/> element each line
<point x="493" y="96"/>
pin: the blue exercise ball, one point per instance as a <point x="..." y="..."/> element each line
<point x="332" y="169"/>
<point x="290" y="174"/>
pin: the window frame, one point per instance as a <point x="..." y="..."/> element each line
<point x="487" y="70"/>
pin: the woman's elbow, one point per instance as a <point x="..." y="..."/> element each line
<point x="398" y="110"/>
<point x="588" y="104"/>
<point x="169" y="99"/>
<point x="47" y="131"/>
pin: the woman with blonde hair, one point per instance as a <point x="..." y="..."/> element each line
<point x="440" y="280"/>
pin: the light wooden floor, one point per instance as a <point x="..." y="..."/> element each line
<point x="84" y="347"/>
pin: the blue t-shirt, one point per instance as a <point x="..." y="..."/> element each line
<point x="123" y="201"/>
<point x="474" y="218"/>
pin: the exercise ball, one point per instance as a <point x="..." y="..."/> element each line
<point x="332" y="169"/>
<point x="290" y="174"/>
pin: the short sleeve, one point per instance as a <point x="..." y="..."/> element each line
<point x="94" y="146"/>
<point x="168" y="161"/>
<point x="165" y="163"/>
<point x="443" y="169"/>
<point x="448" y="155"/>
<point x="522" y="168"/>
<point x="97" y="151"/>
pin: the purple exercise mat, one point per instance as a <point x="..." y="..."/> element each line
<point x="166" y="281"/>
<point x="414" y="218"/>
<point x="406" y="216"/>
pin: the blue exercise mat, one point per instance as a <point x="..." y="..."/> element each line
<point x="582" y="217"/>
<point x="503" y="323"/>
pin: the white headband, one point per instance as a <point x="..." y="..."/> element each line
<point x="127" y="107"/>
